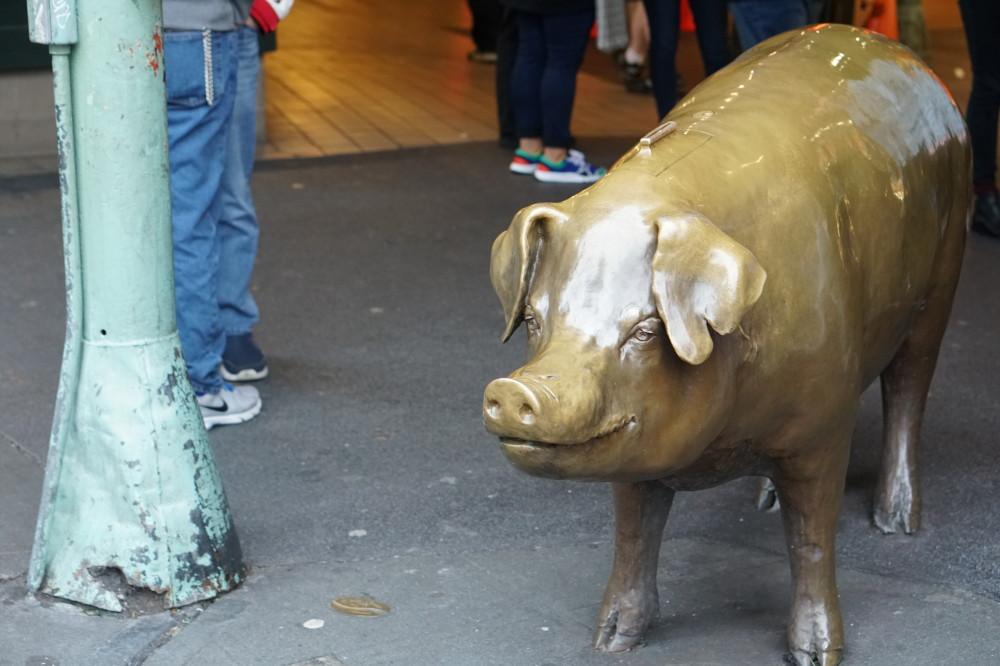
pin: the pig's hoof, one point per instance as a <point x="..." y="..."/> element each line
<point x="822" y="658"/>
<point x="621" y="625"/>
<point x="896" y="515"/>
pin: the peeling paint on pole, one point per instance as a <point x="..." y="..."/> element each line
<point x="131" y="484"/>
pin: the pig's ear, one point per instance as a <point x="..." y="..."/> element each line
<point x="512" y="262"/>
<point x="701" y="278"/>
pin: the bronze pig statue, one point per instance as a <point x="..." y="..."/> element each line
<point x="714" y="307"/>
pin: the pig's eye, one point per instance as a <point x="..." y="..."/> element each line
<point x="644" y="331"/>
<point x="642" y="335"/>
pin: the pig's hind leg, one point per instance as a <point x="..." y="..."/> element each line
<point x="631" y="600"/>
<point x="905" y="383"/>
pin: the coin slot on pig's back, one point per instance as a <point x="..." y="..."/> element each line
<point x="662" y="148"/>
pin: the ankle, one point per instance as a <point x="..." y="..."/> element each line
<point x="633" y="57"/>
<point x="531" y="146"/>
<point x="555" y="155"/>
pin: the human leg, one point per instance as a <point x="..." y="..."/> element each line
<point x="664" y="23"/>
<point x="506" y="57"/>
<point x="565" y="39"/>
<point x="201" y="79"/>
<point x="638" y="32"/>
<point x="526" y="83"/>
<point x="982" y="31"/>
<point x="526" y="89"/>
<point x="757" y="20"/>
<point x="632" y="60"/>
<point x="710" y="23"/>
<point x="238" y="229"/>
<point x="486" y="15"/>
<point x="982" y="28"/>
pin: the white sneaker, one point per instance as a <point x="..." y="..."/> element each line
<point x="231" y="405"/>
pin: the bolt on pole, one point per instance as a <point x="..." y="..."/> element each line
<point x="131" y="491"/>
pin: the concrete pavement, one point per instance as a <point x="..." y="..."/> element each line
<point x="369" y="471"/>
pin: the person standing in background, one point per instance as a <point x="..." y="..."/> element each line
<point x="238" y="229"/>
<point x="506" y="59"/>
<point x="486" y="16"/>
<point x="982" y="32"/>
<point x="201" y="45"/>
<point x="633" y="58"/>
<point x="757" y="20"/>
<point x="664" y="28"/>
<point x="551" y="39"/>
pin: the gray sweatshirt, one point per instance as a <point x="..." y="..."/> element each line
<point x="218" y="15"/>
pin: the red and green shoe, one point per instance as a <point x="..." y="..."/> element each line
<point x="524" y="162"/>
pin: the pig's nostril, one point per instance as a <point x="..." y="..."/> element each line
<point x="527" y="414"/>
<point x="493" y="409"/>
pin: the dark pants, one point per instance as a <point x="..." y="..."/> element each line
<point x="664" y="25"/>
<point x="506" y="57"/>
<point x="485" y="24"/>
<point x="549" y="53"/>
<point x="982" y="32"/>
<point x="757" y="20"/>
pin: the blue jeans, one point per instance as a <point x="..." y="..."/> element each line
<point x="549" y="53"/>
<point x="238" y="230"/>
<point x="757" y="20"/>
<point x="199" y="107"/>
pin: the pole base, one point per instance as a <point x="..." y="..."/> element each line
<point x="135" y="488"/>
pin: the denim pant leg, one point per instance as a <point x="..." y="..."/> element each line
<point x="982" y="31"/>
<point x="201" y="77"/>
<point x="757" y="20"/>
<point x="664" y="24"/>
<point x="238" y="230"/>
<point x="566" y="38"/>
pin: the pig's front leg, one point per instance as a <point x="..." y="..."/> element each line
<point x="630" y="599"/>
<point x="810" y="489"/>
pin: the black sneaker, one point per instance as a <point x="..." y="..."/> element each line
<point x="986" y="215"/>
<point x="636" y="81"/>
<point x="242" y="360"/>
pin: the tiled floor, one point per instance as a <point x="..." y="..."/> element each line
<point x="365" y="75"/>
<point x="352" y="76"/>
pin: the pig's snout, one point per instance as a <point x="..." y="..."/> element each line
<point x="541" y="409"/>
<point x="510" y="406"/>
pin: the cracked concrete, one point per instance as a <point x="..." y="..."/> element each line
<point x="17" y="446"/>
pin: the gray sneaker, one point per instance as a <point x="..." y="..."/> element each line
<point x="231" y="405"/>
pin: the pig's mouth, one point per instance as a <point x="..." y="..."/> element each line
<point x="617" y="427"/>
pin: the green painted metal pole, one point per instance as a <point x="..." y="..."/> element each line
<point x="131" y="487"/>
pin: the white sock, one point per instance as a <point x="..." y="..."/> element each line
<point x="633" y="57"/>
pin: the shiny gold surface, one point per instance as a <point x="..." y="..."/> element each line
<point x="714" y="307"/>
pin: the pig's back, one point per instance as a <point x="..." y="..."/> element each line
<point x="838" y="158"/>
